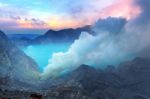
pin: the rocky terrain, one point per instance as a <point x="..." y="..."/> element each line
<point x="130" y="80"/>
<point x="15" y="66"/>
<point x="19" y="79"/>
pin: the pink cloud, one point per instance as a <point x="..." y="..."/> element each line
<point x="123" y="8"/>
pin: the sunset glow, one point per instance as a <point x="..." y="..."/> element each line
<point x="77" y="14"/>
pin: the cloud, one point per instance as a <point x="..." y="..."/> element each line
<point x="138" y="28"/>
<point x="89" y="11"/>
<point x="21" y="26"/>
<point x="97" y="50"/>
<point x="66" y="13"/>
<point x="18" y="20"/>
<point x="112" y="25"/>
<point x="73" y="57"/>
<point x="104" y="48"/>
<point x="122" y="8"/>
<point x="15" y="17"/>
<point x="143" y="18"/>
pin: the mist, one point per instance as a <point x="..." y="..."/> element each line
<point x="105" y="47"/>
<point x="99" y="49"/>
<point x="42" y="52"/>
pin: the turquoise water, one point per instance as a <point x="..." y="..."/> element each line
<point x="42" y="53"/>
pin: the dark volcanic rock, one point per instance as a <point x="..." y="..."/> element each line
<point x="136" y="75"/>
<point x="113" y="83"/>
<point x="67" y="93"/>
<point x="89" y="78"/>
<point x="127" y="81"/>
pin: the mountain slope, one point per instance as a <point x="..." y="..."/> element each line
<point x="130" y="80"/>
<point x="14" y="64"/>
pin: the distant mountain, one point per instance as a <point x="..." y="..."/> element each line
<point x="51" y="36"/>
<point x="110" y="24"/>
<point x="22" y="40"/>
<point x="18" y="36"/>
<point x="15" y="66"/>
<point x="65" y="35"/>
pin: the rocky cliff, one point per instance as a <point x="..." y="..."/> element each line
<point x="14" y="64"/>
<point x="130" y="80"/>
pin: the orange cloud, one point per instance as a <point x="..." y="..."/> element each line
<point x="24" y="24"/>
<point x="58" y="22"/>
<point x="8" y="23"/>
<point x="29" y="24"/>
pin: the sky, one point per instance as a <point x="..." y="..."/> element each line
<point x="38" y="16"/>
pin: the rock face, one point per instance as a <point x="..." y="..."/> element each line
<point x="67" y="93"/>
<point x="14" y="64"/>
<point x="135" y="75"/>
<point x="130" y="80"/>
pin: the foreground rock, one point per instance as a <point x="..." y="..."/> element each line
<point x="16" y="68"/>
<point x="130" y="80"/>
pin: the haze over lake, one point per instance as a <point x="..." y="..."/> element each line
<point x="42" y="53"/>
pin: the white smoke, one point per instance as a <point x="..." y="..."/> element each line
<point x="88" y="49"/>
<point x="105" y="47"/>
